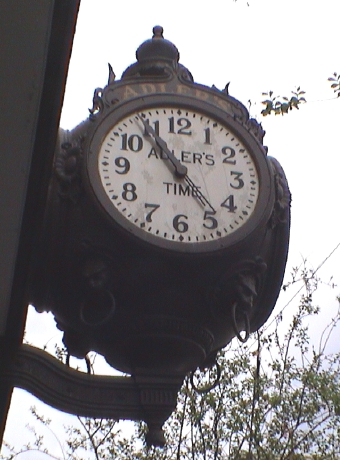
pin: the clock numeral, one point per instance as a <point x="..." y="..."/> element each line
<point x="179" y="225"/>
<point x="229" y="204"/>
<point x="208" y="215"/>
<point x="129" y="193"/>
<point x="133" y="142"/>
<point x="183" y="123"/>
<point x="207" y="136"/>
<point x="229" y="153"/>
<point x="124" y="163"/>
<point x="237" y="178"/>
<point x="148" y="217"/>
<point x="155" y="127"/>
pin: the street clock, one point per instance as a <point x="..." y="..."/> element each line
<point x="166" y="230"/>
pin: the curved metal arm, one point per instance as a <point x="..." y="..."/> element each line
<point x="151" y="399"/>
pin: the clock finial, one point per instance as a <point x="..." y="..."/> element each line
<point x="158" y="32"/>
<point x="154" y="56"/>
<point x="157" y="48"/>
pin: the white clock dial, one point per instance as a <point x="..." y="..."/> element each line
<point x="201" y="186"/>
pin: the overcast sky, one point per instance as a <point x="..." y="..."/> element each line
<point x="269" y="45"/>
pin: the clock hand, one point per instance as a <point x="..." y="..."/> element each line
<point x="198" y="192"/>
<point x="180" y="170"/>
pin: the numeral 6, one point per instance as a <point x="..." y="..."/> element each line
<point x="179" y="225"/>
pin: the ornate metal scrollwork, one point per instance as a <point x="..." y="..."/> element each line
<point x="256" y="129"/>
<point x="97" y="102"/>
<point x="67" y="170"/>
<point x="283" y="198"/>
<point x="234" y="295"/>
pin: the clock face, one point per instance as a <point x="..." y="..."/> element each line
<point x="177" y="177"/>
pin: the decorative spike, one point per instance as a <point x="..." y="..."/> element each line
<point x="226" y="89"/>
<point x="112" y="75"/>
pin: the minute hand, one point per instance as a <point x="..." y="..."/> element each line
<point x="180" y="170"/>
<point x="202" y="199"/>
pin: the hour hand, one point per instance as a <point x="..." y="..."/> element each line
<point x="180" y="170"/>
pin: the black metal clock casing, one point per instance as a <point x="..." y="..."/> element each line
<point x="167" y="227"/>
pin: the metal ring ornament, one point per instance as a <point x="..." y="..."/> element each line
<point x="87" y="360"/>
<point x="234" y="324"/>
<point x="207" y="388"/>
